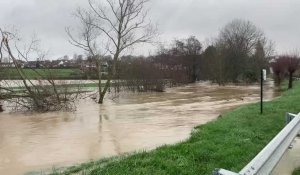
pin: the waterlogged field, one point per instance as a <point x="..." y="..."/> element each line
<point x="11" y="73"/>
<point x="125" y="123"/>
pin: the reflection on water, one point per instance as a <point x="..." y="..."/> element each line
<point x="131" y="122"/>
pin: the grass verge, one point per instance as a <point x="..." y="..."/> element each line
<point x="296" y="172"/>
<point x="229" y="142"/>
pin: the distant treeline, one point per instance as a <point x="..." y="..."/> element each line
<point x="237" y="55"/>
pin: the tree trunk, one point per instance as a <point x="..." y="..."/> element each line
<point x="23" y="77"/>
<point x="1" y="107"/>
<point x="102" y="95"/>
<point x="110" y="77"/>
<point x="194" y="76"/>
<point x="290" y="80"/>
<point x="277" y="79"/>
<point x="101" y="98"/>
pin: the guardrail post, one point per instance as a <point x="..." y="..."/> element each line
<point x="216" y="172"/>
<point x="288" y="118"/>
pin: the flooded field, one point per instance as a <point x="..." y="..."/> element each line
<point x="131" y="122"/>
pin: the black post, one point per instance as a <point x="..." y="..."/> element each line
<point x="261" y="91"/>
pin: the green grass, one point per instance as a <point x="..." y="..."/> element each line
<point x="296" y="172"/>
<point x="229" y="142"/>
<point x="11" y="73"/>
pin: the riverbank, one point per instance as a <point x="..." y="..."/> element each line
<point x="229" y="142"/>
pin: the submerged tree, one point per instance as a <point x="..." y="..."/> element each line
<point x="140" y="75"/>
<point x="212" y="65"/>
<point x="285" y="64"/>
<point x="185" y="53"/>
<point x="121" y="24"/>
<point x="279" y="69"/>
<point x="293" y="63"/>
<point x="190" y="51"/>
<point x="1" y="73"/>
<point x="42" y="94"/>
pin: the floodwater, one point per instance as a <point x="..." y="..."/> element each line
<point x="19" y="83"/>
<point x="130" y="122"/>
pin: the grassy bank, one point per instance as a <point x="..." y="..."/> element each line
<point x="229" y="142"/>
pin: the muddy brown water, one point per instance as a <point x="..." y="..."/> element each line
<point x="132" y="122"/>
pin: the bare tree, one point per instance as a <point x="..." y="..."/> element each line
<point x="212" y="67"/>
<point x="87" y="40"/>
<point x="237" y="42"/>
<point x="290" y="64"/>
<point x="41" y="95"/>
<point x="1" y="73"/>
<point x="241" y="36"/>
<point x="140" y="75"/>
<point x="122" y="23"/>
<point x="187" y="53"/>
<point x="293" y="63"/>
<point x="279" y="69"/>
<point x="285" y="64"/>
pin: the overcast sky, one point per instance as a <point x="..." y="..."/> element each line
<point x="279" y="19"/>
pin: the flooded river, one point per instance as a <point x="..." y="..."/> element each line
<point x="140" y="121"/>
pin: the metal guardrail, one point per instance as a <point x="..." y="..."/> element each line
<point x="265" y="161"/>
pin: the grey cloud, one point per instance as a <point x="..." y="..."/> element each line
<point x="176" y="19"/>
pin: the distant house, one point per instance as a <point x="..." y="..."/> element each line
<point x="20" y="63"/>
<point x="44" y="64"/>
<point x="7" y="65"/>
<point x="31" y="64"/>
<point x="61" y="64"/>
<point x="90" y="66"/>
<point x="64" y="64"/>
